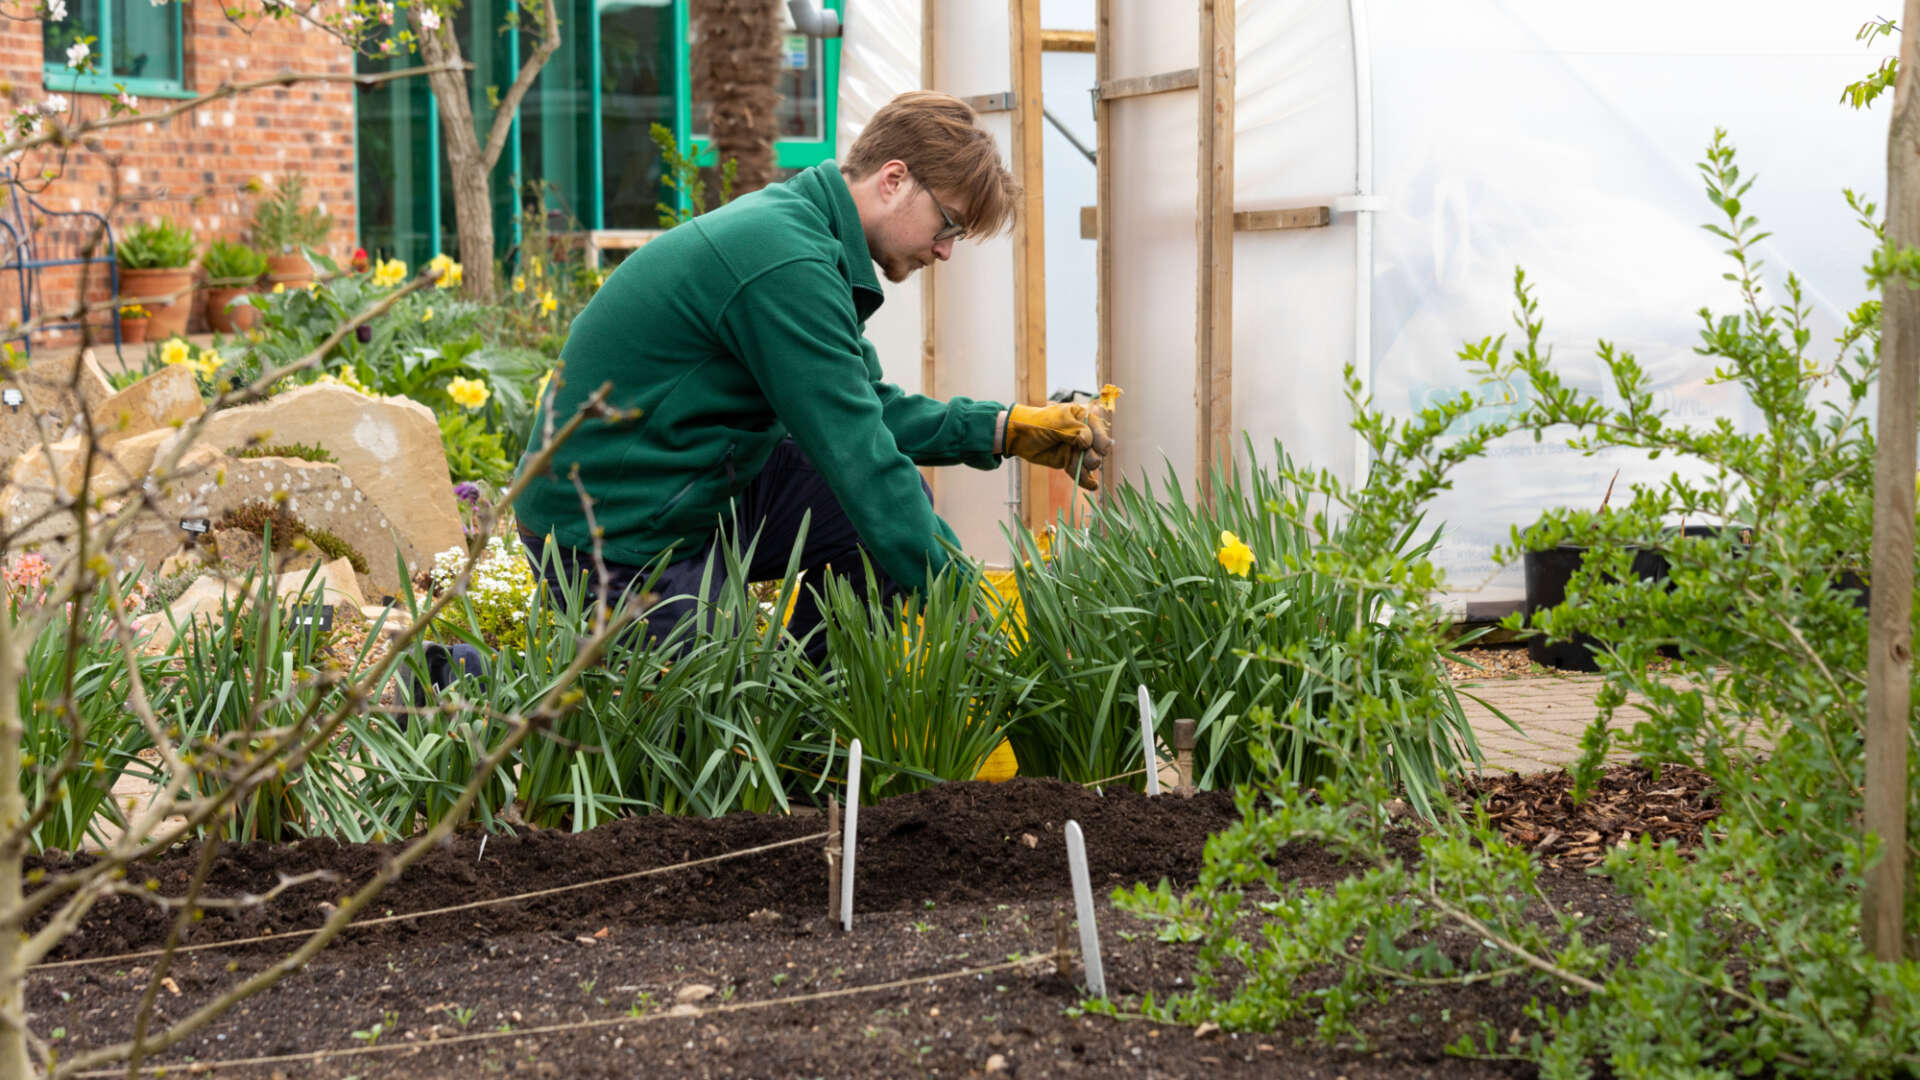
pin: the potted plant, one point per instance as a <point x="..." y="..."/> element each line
<point x="232" y="269"/>
<point x="133" y="324"/>
<point x="156" y="261"/>
<point x="282" y="227"/>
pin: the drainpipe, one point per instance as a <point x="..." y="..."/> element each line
<point x="813" y="21"/>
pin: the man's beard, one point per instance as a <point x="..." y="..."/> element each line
<point x="900" y="269"/>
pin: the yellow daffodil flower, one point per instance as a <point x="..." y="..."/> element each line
<point x="175" y="351"/>
<point x="533" y="264"/>
<point x="519" y="283"/>
<point x="449" y="271"/>
<point x="426" y="315"/>
<point x="209" y="362"/>
<point x="1235" y="555"/>
<point x="389" y="272"/>
<point x="547" y="302"/>
<point x="279" y="287"/>
<point x="1109" y="396"/>
<point x="468" y="393"/>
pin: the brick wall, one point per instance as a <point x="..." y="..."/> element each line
<point x="195" y="168"/>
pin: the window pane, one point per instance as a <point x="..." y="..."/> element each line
<point x="637" y="81"/>
<point x="801" y="73"/>
<point x="83" y="20"/>
<point x="394" y="141"/>
<point x="556" y="120"/>
<point x="476" y="25"/>
<point x="145" y="43"/>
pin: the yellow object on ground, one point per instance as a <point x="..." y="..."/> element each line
<point x="1000" y="766"/>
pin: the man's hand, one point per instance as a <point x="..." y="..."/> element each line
<point x="1059" y="436"/>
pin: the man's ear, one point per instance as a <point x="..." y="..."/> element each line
<point x="893" y="178"/>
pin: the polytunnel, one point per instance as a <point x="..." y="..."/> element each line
<point x="1288" y="187"/>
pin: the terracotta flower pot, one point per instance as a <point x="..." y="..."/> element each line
<point x="225" y="319"/>
<point x="133" y="331"/>
<point x="165" y="319"/>
<point x="289" y="270"/>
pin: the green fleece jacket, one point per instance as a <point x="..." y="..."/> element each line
<point x="727" y="334"/>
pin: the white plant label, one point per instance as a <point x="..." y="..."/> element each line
<point x="1146" y="740"/>
<point x="847" y="835"/>
<point x="1083" y="910"/>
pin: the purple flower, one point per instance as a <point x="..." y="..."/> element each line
<point x="467" y="492"/>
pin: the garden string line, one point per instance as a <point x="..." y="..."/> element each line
<point x="1111" y="779"/>
<point x="578" y="1025"/>
<point x="403" y="917"/>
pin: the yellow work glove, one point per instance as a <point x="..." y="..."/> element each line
<point x="1059" y="436"/>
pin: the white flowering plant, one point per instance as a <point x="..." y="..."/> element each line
<point x="498" y="603"/>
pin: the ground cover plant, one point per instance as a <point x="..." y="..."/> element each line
<point x="1752" y="960"/>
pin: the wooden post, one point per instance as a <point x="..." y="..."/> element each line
<point x="1029" y="240"/>
<point x="833" y="858"/>
<point x="1213" y="316"/>
<point x="1890" y="637"/>
<point x="929" y="282"/>
<point x="1183" y="752"/>
<point x="1103" y="209"/>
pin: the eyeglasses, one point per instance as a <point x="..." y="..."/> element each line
<point x="952" y="230"/>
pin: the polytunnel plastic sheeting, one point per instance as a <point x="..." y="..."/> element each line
<point x="1155" y="249"/>
<point x="1561" y="138"/>
<point x="1293" y="289"/>
<point x="973" y="337"/>
<point x="880" y="58"/>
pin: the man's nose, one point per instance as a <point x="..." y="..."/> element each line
<point x="943" y="250"/>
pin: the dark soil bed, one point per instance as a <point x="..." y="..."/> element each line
<point x="958" y="877"/>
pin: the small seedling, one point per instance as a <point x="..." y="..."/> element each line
<point x="388" y="1021"/>
<point x="779" y="977"/>
<point x="461" y="1014"/>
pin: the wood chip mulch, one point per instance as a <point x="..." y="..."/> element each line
<point x="1484" y="663"/>
<point x="1536" y="810"/>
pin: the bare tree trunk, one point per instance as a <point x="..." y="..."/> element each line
<point x="736" y="67"/>
<point x="470" y="163"/>
<point x="1890" y="644"/>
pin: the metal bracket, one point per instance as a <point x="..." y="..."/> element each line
<point x="991" y="103"/>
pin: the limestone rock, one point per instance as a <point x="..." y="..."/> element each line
<point x="160" y="401"/>
<point x="334" y="583"/>
<point x="53" y="387"/>
<point x="389" y="448"/>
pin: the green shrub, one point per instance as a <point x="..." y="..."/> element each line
<point x="281" y="225"/>
<point x="154" y="245"/>
<point x="1751" y="959"/>
<point x="227" y="262"/>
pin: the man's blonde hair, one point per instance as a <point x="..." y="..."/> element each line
<point x="934" y="134"/>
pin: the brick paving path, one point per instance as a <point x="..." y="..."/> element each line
<point x="1551" y="713"/>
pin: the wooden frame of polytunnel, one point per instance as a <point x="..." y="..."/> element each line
<point x="1165" y="219"/>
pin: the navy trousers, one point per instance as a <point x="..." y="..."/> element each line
<point x="772" y="507"/>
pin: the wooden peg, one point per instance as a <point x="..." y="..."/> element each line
<point x="1183" y="749"/>
<point x="833" y="858"/>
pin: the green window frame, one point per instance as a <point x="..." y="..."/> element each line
<point x="59" y="78"/>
